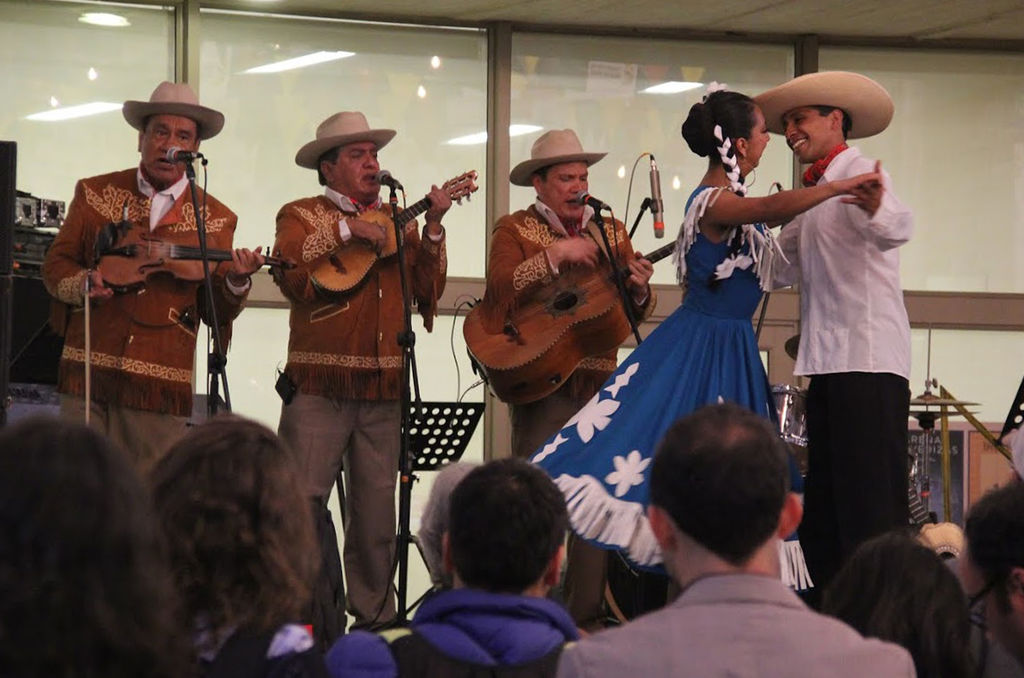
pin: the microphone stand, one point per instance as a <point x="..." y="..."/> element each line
<point x="217" y="359"/>
<point x="644" y="206"/>
<point x="627" y="304"/>
<point x="407" y="340"/>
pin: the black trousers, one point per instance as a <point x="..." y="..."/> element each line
<point x="856" y="485"/>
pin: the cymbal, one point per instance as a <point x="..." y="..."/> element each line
<point x="792" y="345"/>
<point x="928" y="400"/>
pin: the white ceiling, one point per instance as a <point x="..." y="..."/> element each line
<point x="917" y="20"/>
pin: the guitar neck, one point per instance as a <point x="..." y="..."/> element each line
<point x="661" y="252"/>
<point x="413" y="211"/>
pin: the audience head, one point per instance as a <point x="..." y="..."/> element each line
<point x="993" y="571"/>
<point x="434" y="520"/>
<point x="896" y="589"/>
<point x="506" y="527"/>
<point x="720" y="477"/>
<point x="238" y="527"/>
<point x="84" y="585"/>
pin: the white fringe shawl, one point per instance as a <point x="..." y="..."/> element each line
<point x="597" y="516"/>
<point x="762" y="245"/>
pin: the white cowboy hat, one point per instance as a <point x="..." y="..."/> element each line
<point x="342" y="128"/>
<point x="866" y="102"/>
<point x="174" y="98"/>
<point x="552" y="148"/>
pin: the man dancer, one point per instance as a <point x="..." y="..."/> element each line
<point x="855" y="339"/>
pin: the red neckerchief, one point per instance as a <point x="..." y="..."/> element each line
<point x="572" y="228"/>
<point x="360" y="208"/>
<point x="817" y="170"/>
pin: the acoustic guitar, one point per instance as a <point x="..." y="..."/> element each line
<point x="343" y="269"/>
<point x="544" y="339"/>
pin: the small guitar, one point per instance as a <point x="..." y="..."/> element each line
<point x="577" y="316"/>
<point x="345" y="268"/>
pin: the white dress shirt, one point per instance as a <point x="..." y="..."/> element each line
<point x="160" y="201"/>
<point x="848" y="264"/>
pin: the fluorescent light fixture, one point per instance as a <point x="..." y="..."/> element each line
<point x="104" y="19"/>
<point x="481" y="137"/>
<point x="672" y="87"/>
<point x="300" y="62"/>
<point x="79" y="111"/>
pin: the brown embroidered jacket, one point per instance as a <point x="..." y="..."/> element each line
<point x="143" y="342"/>
<point x="518" y="266"/>
<point x="346" y="346"/>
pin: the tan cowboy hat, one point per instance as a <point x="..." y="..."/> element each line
<point x="866" y="102"/>
<point x="946" y="539"/>
<point x="342" y="128"/>
<point x="552" y="148"/>
<point x="174" y="98"/>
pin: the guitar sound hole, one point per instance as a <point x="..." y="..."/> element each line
<point x="565" y="301"/>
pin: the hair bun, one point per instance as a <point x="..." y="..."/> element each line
<point x="694" y="131"/>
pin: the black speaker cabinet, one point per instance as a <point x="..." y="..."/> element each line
<point x="8" y="170"/>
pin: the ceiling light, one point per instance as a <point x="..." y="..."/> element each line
<point x="79" y="111"/>
<point x="421" y="91"/>
<point x="622" y="172"/>
<point x="54" y="103"/>
<point x="435" y="62"/>
<point x="300" y="62"/>
<point x="92" y="74"/>
<point x="481" y="137"/>
<point x="676" y="184"/>
<point x="104" y="19"/>
<point x="672" y="87"/>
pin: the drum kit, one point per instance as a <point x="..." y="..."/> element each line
<point x="928" y="408"/>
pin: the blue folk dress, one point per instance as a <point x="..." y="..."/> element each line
<point x="704" y="353"/>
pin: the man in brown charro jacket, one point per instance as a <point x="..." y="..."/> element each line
<point x="343" y="353"/>
<point x="528" y="249"/>
<point x="143" y="341"/>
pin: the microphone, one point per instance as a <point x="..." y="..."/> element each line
<point x="584" y="198"/>
<point x="657" y="204"/>
<point x="384" y="177"/>
<point x="175" y="154"/>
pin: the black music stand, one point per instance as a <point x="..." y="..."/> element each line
<point x="438" y="435"/>
<point x="439" y="432"/>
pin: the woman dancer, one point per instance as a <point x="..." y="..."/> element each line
<point x="704" y="352"/>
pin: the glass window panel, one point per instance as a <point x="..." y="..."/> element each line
<point x="595" y="86"/>
<point x="53" y="62"/>
<point x="955" y="150"/>
<point x="271" y="115"/>
<point x="974" y="365"/>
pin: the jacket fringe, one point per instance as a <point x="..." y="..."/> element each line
<point x="346" y="384"/>
<point x="127" y="390"/>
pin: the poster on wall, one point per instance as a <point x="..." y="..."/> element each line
<point x="988" y="468"/>
<point x="925" y="449"/>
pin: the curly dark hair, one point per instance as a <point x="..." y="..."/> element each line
<point x="898" y="590"/>
<point x="84" y="585"/>
<point x="238" y="526"/>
